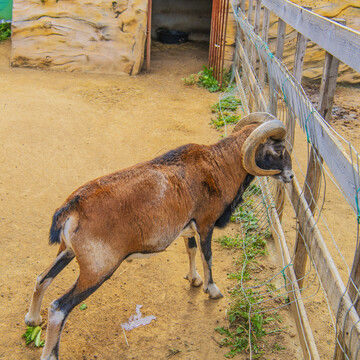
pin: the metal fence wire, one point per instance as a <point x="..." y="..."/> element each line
<point x="330" y="276"/>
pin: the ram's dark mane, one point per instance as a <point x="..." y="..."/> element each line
<point x="224" y="219"/>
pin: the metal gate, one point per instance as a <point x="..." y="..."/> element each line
<point x="219" y="17"/>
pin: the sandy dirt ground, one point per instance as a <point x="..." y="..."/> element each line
<point x="59" y="130"/>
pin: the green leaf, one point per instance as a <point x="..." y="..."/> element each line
<point x="83" y="306"/>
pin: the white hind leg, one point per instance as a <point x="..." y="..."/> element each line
<point x="33" y="318"/>
<point x="193" y="276"/>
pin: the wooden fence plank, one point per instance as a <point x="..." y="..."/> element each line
<point x="338" y="40"/>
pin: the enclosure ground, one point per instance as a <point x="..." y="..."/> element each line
<point x="59" y="130"/>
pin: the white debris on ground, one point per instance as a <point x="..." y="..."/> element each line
<point x="136" y="320"/>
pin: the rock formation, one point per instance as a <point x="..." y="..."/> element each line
<point x="92" y="36"/>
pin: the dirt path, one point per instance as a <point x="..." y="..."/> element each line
<point x="59" y="130"/>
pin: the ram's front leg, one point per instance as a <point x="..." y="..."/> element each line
<point x="209" y="285"/>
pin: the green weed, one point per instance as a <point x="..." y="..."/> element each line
<point x="5" y="31"/>
<point x="225" y="111"/>
<point x="230" y="103"/>
<point x="278" y="347"/>
<point x="207" y="80"/>
<point x="248" y="322"/>
<point x="33" y="334"/>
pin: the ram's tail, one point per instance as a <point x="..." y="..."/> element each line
<point x="59" y="219"/>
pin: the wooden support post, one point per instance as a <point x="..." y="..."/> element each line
<point x="328" y="82"/>
<point x="265" y="37"/>
<point x="299" y="56"/>
<point x="280" y="41"/>
<point x="290" y="138"/>
<point x="148" y="36"/>
<point x="353" y="289"/>
<point x="240" y="32"/>
<point x="249" y="18"/>
<point x="257" y="17"/>
<point x="254" y="55"/>
<point x="300" y="53"/>
<point x="313" y="174"/>
<point x="242" y="6"/>
<point x="250" y="11"/>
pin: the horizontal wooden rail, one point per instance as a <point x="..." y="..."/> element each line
<point x="340" y="41"/>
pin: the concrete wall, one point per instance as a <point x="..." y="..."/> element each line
<point x="192" y="16"/>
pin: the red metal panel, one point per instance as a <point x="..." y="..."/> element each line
<point x="219" y="18"/>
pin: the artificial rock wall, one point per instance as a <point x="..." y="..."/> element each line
<point x="91" y="36"/>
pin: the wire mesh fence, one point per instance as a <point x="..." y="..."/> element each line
<point x="320" y="204"/>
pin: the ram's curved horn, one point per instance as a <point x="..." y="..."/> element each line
<point x="274" y="129"/>
<point x="253" y="118"/>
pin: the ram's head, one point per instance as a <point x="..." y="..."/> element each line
<point x="264" y="152"/>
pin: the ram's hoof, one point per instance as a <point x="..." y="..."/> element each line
<point x="32" y="320"/>
<point x="213" y="291"/>
<point x="195" y="281"/>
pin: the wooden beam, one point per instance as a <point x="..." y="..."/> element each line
<point x="148" y="36"/>
<point x="301" y="43"/>
<point x="328" y="83"/>
<point x="242" y="6"/>
<point x="340" y="41"/>
<point x="311" y="193"/>
<point x="265" y="37"/>
<point x="279" y="51"/>
<point x="280" y="40"/>
<point x="250" y="11"/>
<point x="254" y="55"/>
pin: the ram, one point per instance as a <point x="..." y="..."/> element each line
<point x="141" y="210"/>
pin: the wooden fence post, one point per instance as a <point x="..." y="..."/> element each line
<point x="326" y="99"/>
<point x="328" y="82"/>
<point x="254" y="55"/>
<point x="242" y="6"/>
<point x="250" y="11"/>
<point x="265" y="37"/>
<point x="280" y="41"/>
<point x="148" y="36"/>
<point x="279" y="196"/>
<point x="313" y="174"/>
<point x="299" y="56"/>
